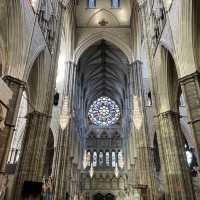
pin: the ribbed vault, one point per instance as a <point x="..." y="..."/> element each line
<point x="102" y="71"/>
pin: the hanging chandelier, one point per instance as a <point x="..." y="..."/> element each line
<point x="65" y="115"/>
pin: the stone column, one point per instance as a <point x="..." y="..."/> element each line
<point x="17" y="87"/>
<point x="62" y="179"/>
<point x="191" y="90"/>
<point x="174" y="159"/>
<point x="144" y="170"/>
<point x="57" y="173"/>
<point x="33" y="152"/>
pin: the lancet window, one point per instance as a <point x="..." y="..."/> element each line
<point x="91" y="3"/>
<point x="113" y="159"/>
<point x="94" y="159"/>
<point x="101" y="158"/>
<point x="104" y="158"/>
<point x="115" y="3"/>
<point x="107" y="159"/>
<point x="88" y="158"/>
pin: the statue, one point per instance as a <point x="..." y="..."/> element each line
<point x="136" y="195"/>
<point x="48" y="189"/>
<point x="3" y="186"/>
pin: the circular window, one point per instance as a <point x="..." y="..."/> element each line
<point x="104" y="112"/>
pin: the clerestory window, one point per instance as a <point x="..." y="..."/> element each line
<point x="113" y="159"/>
<point x="100" y="158"/>
<point x="91" y="3"/>
<point x="107" y="159"/>
<point x="115" y="3"/>
<point x="94" y="159"/>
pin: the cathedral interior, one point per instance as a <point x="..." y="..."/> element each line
<point x="99" y="100"/>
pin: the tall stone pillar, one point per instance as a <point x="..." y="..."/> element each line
<point x="177" y="174"/>
<point x="191" y="90"/>
<point x="61" y="178"/>
<point x="17" y="87"/>
<point x="144" y="170"/>
<point x="62" y="169"/>
<point x="33" y="152"/>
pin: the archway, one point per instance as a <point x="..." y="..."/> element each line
<point x="100" y="104"/>
<point x="196" y="31"/>
<point x="170" y="134"/>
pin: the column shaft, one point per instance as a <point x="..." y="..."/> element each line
<point x="172" y="144"/>
<point x="144" y="170"/>
<point x="33" y="152"/>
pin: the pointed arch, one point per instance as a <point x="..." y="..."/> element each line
<point x="103" y="35"/>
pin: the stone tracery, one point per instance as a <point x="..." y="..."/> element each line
<point x="104" y="112"/>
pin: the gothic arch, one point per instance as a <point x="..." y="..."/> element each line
<point x="167" y="80"/>
<point x="103" y="35"/>
<point x="104" y="12"/>
<point x="196" y="31"/>
<point x="186" y="50"/>
<point x="32" y="60"/>
<point x="36" y="83"/>
<point x="169" y="48"/>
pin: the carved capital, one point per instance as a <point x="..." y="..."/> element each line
<point x="189" y="78"/>
<point x="12" y="80"/>
<point x="169" y="114"/>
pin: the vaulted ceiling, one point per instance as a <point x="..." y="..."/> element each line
<point x="103" y="71"/>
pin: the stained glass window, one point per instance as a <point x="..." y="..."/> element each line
<point x="115" y="3"/>
<point x="107" y="159"/>
<point x="120" y="159"/>
<point x="94" y="159"/>
<point x="104" y="112"/>
<point x="100" y="158"/>
<point x="113" y="159"/>
<point x="88" y="158"/>
<point x="91" y="3"/>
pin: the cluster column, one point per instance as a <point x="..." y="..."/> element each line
<point x="33" y="152"/>
<point x="191" y="90"/>
<point x="17" y="87"/>
<point x="172" y="145"/>
<point x="144" y="170"/>
<point x="62" y="170"/>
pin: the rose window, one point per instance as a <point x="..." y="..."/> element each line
<point x="104" y="112"/>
